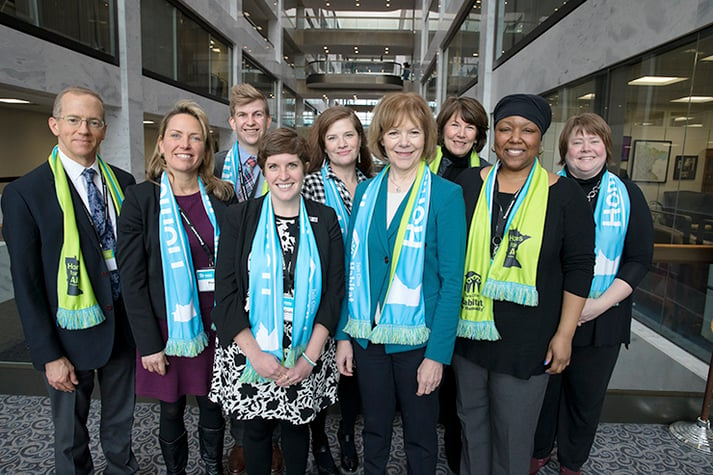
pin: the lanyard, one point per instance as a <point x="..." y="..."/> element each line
<point x="204" y="246"/>
<point x="501" y="218"/>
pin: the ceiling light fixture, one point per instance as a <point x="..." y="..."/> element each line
<point x="694" y="99"/>
<point x="708" y="58"/>
<point x="587" y="97"/>
<point x="14" y="101"/>
<point x="655" y="81"/>
<point x="149" y="122"/>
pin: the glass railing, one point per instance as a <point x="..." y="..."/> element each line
<point x="326" y="20"/>
<point x="355" y="67"/>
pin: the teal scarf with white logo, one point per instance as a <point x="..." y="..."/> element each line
<point x="611" y="219"/>
<point x="402" y="318"/>
<point x="186" y="336"/>
<point x="334" y="201"/>
<point x="265" y="298"/>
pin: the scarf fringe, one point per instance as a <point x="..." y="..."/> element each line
<point x="391" y="334"/>
<point x="483" y="330"/>
<point x="80" y="319"/>
<point x="293" y="355"/>
<point x="187" y="348"/>
<point x="358" y="328"/>
<point x="250" y="376"/>
<point x="521" y="294"/>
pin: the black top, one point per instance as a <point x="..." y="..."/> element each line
<point x="452" y="166"/>
<point x="566" y="262"/>
<point x="138" y="255"/>
<point x="613" y="327"/>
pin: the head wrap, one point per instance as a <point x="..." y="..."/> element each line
<point x="529" y="106"/>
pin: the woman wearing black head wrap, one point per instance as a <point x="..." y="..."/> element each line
<point x="529" y="264"/>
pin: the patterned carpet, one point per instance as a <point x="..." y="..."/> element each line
<point x="622" y="449"/>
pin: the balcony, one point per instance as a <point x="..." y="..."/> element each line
<point x="355" y="75"/>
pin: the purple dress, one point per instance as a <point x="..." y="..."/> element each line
<point x="186" y="375"/>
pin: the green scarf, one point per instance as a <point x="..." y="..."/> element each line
<point x="512" y="273"/>
<point x="77" y="307"/>
<point x="473" y="160"/>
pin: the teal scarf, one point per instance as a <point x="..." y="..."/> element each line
<point x="186" y="336"/>
<point x="265" y="298"/>
<point x="77" y="306"/>
<point x="334" y="201"/>
<point x="402" y="318"/>
<point x="611" y="219"/>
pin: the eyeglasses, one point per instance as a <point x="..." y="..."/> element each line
<point x="75" y="121"/>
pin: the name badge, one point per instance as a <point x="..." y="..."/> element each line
<point x="288" y="307"/>
<point x="109" y="260"/>
<point x="206" y="280"/>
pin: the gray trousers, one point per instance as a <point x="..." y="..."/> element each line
<point x="70" y="412"/>
<point x="498" y="414"/>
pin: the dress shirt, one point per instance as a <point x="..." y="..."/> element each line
<point x="74" y="172"/>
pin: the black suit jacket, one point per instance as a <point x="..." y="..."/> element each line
<point x="33" y="230"/>
<point x="139" y="259"/>
<point x="231" y="270"/>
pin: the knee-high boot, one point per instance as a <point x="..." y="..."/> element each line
<point x="175" y="454"/>
<point x="211" y="443"/>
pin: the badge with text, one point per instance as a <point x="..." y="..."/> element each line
<point x="206" y="280"/>
<point x="110" y="260"/>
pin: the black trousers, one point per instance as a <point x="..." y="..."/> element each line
<point x="448" y="416"/>
<point x="257" y="442"/>
<point x="383" y="380"/>
<point x="70" y="412"/>
<point x="573" y="405"/>
<point x="349" y="408"/>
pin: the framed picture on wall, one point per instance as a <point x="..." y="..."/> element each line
<point x="650" y="160"/>
<point x="685" y="167"/>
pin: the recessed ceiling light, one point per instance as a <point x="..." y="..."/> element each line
<point x="694" y="99"/>
<point x="695" y="125"/>
<point x="708" y="58"/>
<point x="655" y="81"/>
<point x="14" y="101"/>
<point x="681" y="118"/>
<point x="149" y="122"/>
<point x="587" y="97"/>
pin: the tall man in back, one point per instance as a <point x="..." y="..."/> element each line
<point x="60" y="229"/>
<point x="250" y="119"/>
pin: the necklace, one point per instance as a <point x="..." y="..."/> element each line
<point x="396" y="185"/>
<point x="501" y="219"/>
<point x="594" y="191"/>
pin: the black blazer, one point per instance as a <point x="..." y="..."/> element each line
<point x="33" y="230"/>
<point x="139" y="259"/>
<point x="231" y="271"/>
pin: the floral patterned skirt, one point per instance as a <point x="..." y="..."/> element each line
<point x="298" y="404"/>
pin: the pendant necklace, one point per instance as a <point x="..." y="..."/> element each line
<point x="502" y="218"/>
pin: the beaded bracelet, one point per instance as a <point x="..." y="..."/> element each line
<point x="311" y="363"/>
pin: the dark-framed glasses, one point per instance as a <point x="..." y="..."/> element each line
<point x="75" y="121"/>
